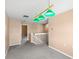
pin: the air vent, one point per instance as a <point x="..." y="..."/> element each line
<point x="25" y="16"/>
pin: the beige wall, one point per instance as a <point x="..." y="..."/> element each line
<point x="33" y="28"/>
<point x="61" y="32"/>
<point x="14" y="32"/>
<point x="6" y="33"/>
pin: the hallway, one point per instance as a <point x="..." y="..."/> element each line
<point x="40" y="22"/>
<point x="31" y="51"/>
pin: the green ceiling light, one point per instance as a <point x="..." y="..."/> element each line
<point x="50" y="13"/>
<point x="41" y="17"/>
<point x="45" y="14"/>
<point x="36" y="20"/>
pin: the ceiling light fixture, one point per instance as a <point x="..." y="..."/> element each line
<point x="36" y="20"/>
<point x="41" y="17"/>
<point x="46" y="13"/>
<point x="50" y="13"/>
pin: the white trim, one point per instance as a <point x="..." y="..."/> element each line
<point x="6" y="51"/>
<point x="60" y="52"/>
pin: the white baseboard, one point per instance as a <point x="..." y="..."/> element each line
<point x="60" y="52"/>
<point x="6" y="51"/>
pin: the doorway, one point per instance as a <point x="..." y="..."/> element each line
<point x="24" y="34"/>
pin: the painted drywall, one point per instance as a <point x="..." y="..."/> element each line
<point x="33" y="28"/>
<point x="6" y="33"/>
<point x="45" y="27"/>
<point x="14" y="32"/>
<point x="61" y="32"/>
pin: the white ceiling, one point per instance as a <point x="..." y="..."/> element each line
<point x="17" y="8"/>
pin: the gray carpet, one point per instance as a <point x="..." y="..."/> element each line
<point x="31" y="51"/>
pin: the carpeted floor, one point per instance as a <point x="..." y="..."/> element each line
<point x="31" y="51"/>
